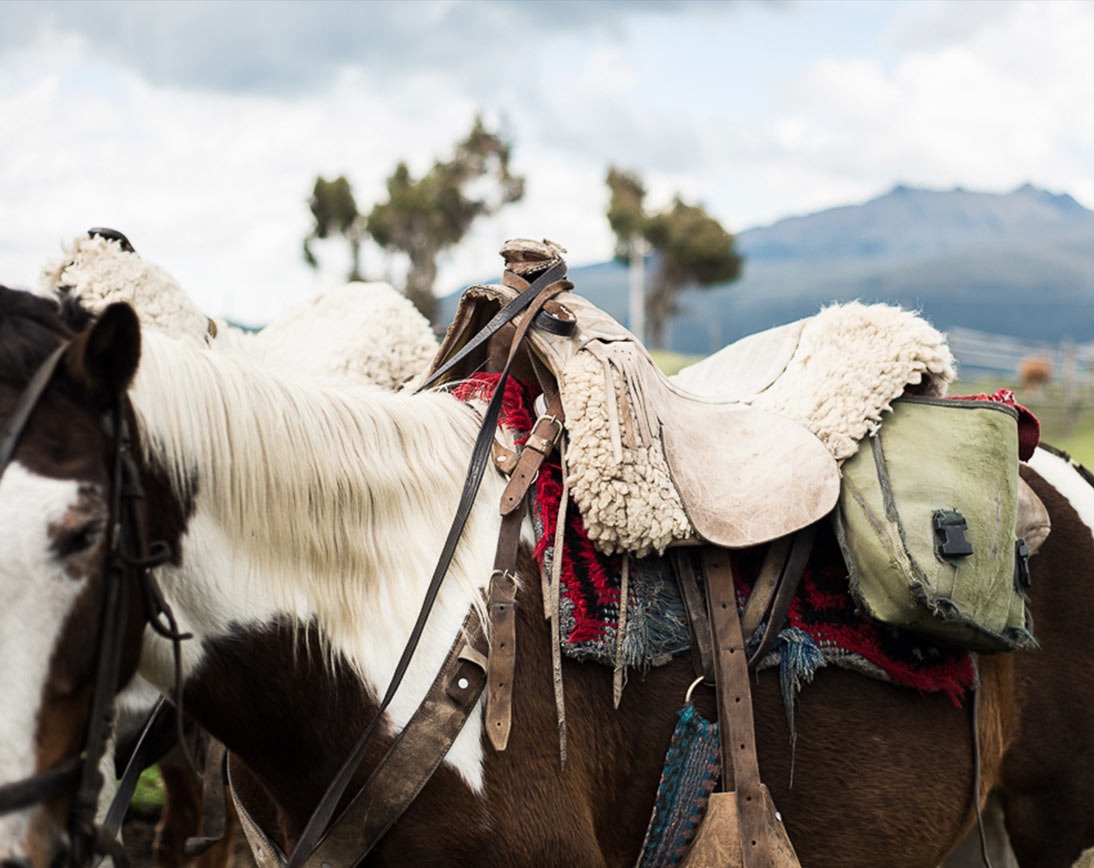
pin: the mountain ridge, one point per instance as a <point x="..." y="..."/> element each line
<point x="1018" y="264"/>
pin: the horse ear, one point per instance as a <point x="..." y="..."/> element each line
<point x="104" y="357"/>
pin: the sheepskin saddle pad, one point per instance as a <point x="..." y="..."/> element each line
<point x="99" y="269"/>
<point x="738" y="450"/>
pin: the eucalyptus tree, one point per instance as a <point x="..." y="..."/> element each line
<point x="688" y="246"/>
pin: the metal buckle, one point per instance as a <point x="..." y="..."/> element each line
<point x="505" y="574"/>
<point x="554" y="420"/>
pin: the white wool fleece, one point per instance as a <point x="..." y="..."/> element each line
<point x="99" y="272"/>
<point x="852" y="361"/>
<point x="844" y="368"/>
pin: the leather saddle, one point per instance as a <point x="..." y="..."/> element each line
<point x="725" y="473"/>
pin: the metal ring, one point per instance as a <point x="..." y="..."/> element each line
<point x="694" y="684"/>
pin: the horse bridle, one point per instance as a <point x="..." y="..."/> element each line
<point x="128" y="551"/>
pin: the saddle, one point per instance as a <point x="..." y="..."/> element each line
<point x="650" y="462"/>
<point x="740" y="449"/>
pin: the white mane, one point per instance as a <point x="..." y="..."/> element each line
<point x="335" y="497"/>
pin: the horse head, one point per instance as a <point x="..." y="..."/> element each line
<point x="70" y="616"/>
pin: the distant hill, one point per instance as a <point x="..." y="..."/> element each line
<point x="1020" y="264"/>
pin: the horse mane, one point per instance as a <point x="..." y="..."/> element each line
<point x="323" y="485"/>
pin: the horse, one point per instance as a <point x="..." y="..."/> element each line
<point x="303" y="521"/>
<point x="367" y="331"/>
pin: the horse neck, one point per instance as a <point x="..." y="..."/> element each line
<point x="321" y="507"/>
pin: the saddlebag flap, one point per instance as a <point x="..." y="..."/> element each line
<point x="926" y="521"/>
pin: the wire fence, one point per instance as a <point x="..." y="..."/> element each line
<point x="1007" y="355"/>
<point x="1054" y="379"/>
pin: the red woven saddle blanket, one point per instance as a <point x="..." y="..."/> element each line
<point x="822" y="628"/>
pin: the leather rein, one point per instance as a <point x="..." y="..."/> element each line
<point x="128" y="553"/>
<point x="471" y="666"/>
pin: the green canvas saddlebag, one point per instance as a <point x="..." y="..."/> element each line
<point x="926" y="521"/>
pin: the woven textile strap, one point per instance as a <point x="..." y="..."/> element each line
<point x="689" y="776"/>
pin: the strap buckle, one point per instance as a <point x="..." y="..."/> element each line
<point x="559" y="428"/>
<point x="950" y="528"/>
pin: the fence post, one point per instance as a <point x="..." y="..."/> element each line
<point x="1069" y="371"/>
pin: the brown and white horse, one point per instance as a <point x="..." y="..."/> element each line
<point x="304" y="522"/>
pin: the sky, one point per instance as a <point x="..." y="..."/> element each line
<point x="198" y="128"/>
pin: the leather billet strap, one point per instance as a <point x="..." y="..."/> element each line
<point x="789" y="579"/>
<point x="695" y="607"/>
<point x="737" y="735"/>
<point x="540" y="443"/>
<point x="501" y="606"/>
<point x="541" y="290"/>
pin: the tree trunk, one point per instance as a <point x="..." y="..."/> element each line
<point x="660" y="305"/>
<point x="419" y="285"/>
<point x="355" y="256"/>
<point x="637" y="280"/>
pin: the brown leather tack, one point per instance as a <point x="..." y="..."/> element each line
<point x="696" y="609"/>
<point x="740" y="767"/>
<point x="505" y="459"/>
<point x="540" y="444"/>
<point x="414" y="756"/>
<point x="501" y="667"/>
<point x="763" y="589"/>
<point x="541" y="441"/>
<point x="467" y="682"/>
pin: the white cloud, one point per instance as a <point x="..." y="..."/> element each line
<point x="757" y="112"/>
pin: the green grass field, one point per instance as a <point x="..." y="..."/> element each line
<point x="1065" y="424"/>
<point x="148" y="797"/>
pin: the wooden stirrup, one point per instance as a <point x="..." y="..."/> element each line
<point x="741" y="826"/>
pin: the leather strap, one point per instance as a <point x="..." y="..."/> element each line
<point x="501" y="608"/>
<point x="540" y="443"/>
<point x="126" y="533"/>
<point x="763" y="589"/>
<point x="695" y="608"/>
<point x="501" y="605"/>
<point x="60" y="779"/>
<point x="541" y="289"/>
<point x="151" y="745"/>
<point x="414" y="756"/>
<point x="214" y="810"/>
<point x="740" y="766"/>
<point x="265" y="851"/>
<point x="789" y="580"/>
